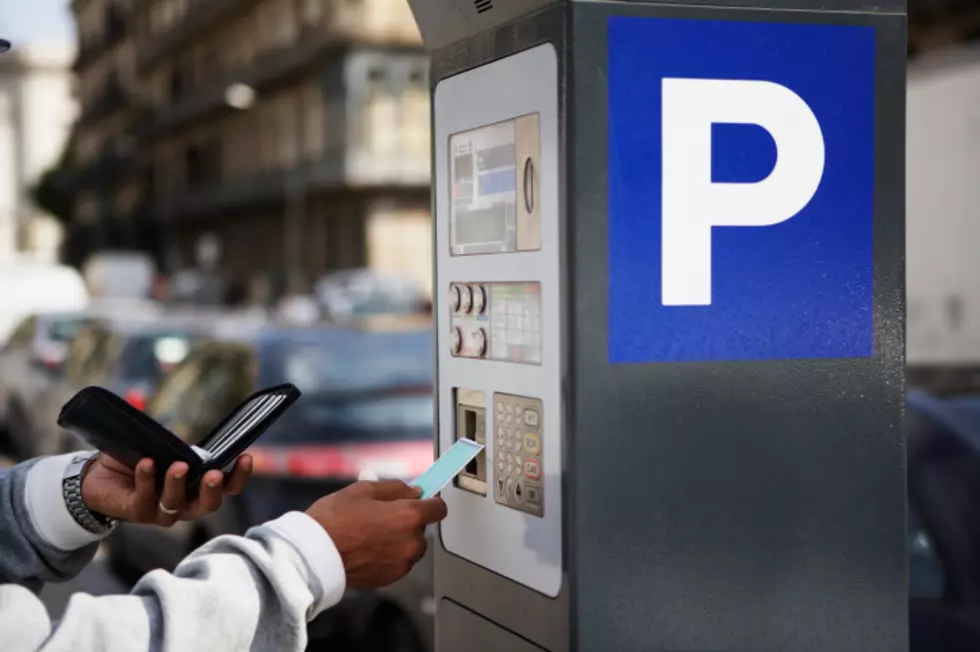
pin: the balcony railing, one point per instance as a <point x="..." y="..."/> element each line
<point x="203" y="16"/>
<point x="199" y="18"/>
<point x="329" y="175"/>
<point x="113" y="98"/>
<point x="113" y="165"/>
<point x="266" y="73"/>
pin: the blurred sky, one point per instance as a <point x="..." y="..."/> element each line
<point x="36" y="21"/>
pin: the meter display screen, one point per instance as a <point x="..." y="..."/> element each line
<point x="484" y="190"/>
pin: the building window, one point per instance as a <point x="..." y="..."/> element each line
<point x="382" y="122"/>
<point x="312" y="11"/>
<point x="193" y="167"/>
<point x="314" y="119"/>
<point x="379" y="120"/>
<point x="285" y="22"/>
<point x="177" y="84"/>
<point x="268" y="134"/>
<point x="415" y="127"/>
<point x="288" y="126"/>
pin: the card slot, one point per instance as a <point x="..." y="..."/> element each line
<point x="233" y="436"/>
<point x="243" y="414"/>
<point x="236" y="433"/>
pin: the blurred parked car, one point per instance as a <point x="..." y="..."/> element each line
<point x="31" y="361"/>
<point x="366" y="412"/>
<point x="120" y="274"/>
<point x="127" y="355"/>
<point x="944" y="523"/>
<point x="356" y="293"/>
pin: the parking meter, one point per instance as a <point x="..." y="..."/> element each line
<point x="670" y="304"/>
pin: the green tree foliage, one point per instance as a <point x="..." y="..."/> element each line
<point x="53" y="192"/>
<point x="56" y="193"/>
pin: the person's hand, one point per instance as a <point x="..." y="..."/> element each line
<point x="378" y="528"/>
<point x="113" y="489"/>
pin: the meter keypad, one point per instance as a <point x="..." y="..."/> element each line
<point x="519" y="469"/>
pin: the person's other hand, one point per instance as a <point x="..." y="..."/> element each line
<point x="113" y="489"/>
<point x="378" y="528"/>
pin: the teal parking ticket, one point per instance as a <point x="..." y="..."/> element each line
<point x="447" y="467"/>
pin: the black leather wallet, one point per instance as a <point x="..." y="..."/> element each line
<point x="113" y="426"/>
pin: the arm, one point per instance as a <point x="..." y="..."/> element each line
<point x="39" y="540"/>
<point x="236" y="593"/>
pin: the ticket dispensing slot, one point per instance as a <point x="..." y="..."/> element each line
<point x="471" y="423"/>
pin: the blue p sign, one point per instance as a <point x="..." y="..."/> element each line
<point x="741" y="180"/>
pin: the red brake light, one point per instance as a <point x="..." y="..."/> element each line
<point x="136" y="398"/>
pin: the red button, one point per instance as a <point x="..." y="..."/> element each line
<point x="532" y="470"/>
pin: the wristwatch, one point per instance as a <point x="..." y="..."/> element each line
<point x="71" y="486"/>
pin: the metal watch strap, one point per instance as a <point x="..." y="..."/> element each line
<point x="71" y="486"/>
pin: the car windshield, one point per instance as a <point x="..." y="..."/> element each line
<point x="356" y="387"/>
<point x="64" y="329"/>
<point x="404" y="414"/>
<point x="351" y="362"/>
<point x="152" y="356"/>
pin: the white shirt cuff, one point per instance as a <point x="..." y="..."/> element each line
<point x="48" y="511"/>
<point x="320" y="553"/>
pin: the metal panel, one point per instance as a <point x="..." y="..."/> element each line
<point x="735" y="506"/>
<point x="461" y="629"/>
<point x="442" y="22"/>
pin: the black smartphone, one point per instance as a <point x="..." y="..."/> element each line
<point x="113" y="426"/>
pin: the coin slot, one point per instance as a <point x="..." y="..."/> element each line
<point x="529" y="184"/>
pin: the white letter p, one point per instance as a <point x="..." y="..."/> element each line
<point x="693" y="204"/>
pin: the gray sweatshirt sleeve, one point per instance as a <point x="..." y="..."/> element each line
<point x="25" y="557"/>
<point x="253" y="593"/>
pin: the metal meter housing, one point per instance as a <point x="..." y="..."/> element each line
<point x="688" y="502"/>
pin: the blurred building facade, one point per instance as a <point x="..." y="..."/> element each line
<point x="37" y="110"/>
<point x="293" y="133"/>
<point x="110" y="176"/>
<point x="941" y="24"/>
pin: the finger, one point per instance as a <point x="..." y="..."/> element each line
<point x="393" y="490"/>
<point x="239" y="475"/>
<point x="209" y="495"/>
<point x="423" y="546"/>
<point x="144" y="505"/>
<point x="432" y="510"/>
<point x="174" y="496"/>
